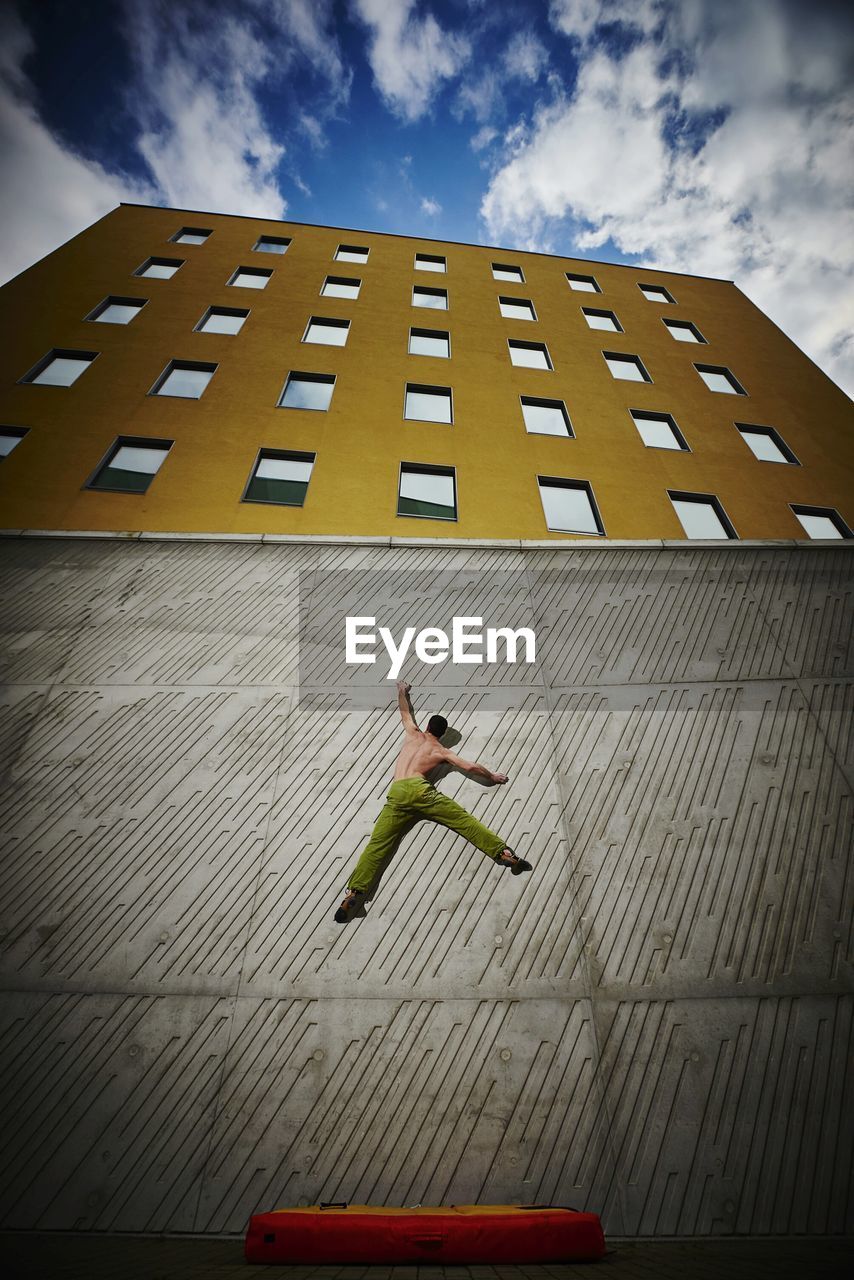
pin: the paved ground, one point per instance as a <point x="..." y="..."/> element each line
<point x="113" y="1257"/>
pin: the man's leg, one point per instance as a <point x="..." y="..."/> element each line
<point x="392" y="824"/>
<point x="441" y="808"/>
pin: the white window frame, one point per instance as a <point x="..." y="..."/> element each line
<point x="704" y="499"/>
<point x="115" y="300"/>
<point x="603" y="312"/>
<point x="671" y="325"/>
<point x="284" y="241"/>
<point x="424" y="388"/>
<point x="341" y="280"/>
<point x="667" y="301"/>
<point x="352" y="248"/>
<point x="669" y="420"/>
<point x="539" y="346"/>
<point x="306" y="375"/>
<point x="331" y="322"/>
<point x="420" y="331"/>
<point x="207" y="232"/>
<point x="627" y="358"/>
<point x="425" y="291"/>
<point x="244" y="312"/>
<point x="157" y="261"/>
<point x="550" y="403"/>
<point x="566" y="482"/>
<point x="429" y="469"/>
<point x="788" y="459"/>
<point x="828" y="513"/>
<point x="291" y="455"/>
<point x="198" y="366"/>
<point x="59" y="353"/>
<point x="736" y="387"/>
<point x="133" y="442"/>
<point x="504" y="300"/>
<point x="581" y="278"/>
<point x="508" y="266"/>
<point x="434" y="259"/>
<point x="256" y="273"/>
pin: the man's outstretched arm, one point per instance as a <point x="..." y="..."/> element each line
<point x="406" y="713"/>
<point x="475" y="770"/>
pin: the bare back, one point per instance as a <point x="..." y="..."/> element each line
<point x="422" y="754"/>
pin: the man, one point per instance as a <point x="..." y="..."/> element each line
<point x="412" y="796"/>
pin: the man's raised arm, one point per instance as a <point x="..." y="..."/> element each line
<point x="475" y="770"/>
<point x="406" y="713"/>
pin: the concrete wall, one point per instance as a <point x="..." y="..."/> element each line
<point x="654" y="1024"/>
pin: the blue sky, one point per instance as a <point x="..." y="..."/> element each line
<point x="714" y="136"/>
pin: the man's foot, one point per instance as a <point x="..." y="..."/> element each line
<point x="351" y="897"/>
<point x="516" y="865"/>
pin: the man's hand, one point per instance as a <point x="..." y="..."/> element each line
<point x="499" y="779"/>
<point x="403" y="687"/>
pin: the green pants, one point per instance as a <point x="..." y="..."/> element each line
<point x="408" y="800"/>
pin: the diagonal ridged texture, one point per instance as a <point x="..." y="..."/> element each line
<point x="655" y="1024"/>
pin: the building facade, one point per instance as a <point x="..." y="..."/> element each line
<point x="172" y="371"/>
<point x="216" y="454"/>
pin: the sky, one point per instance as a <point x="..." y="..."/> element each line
<point x="708" y="136"/>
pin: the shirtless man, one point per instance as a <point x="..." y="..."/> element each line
<point x="412" y="795"/>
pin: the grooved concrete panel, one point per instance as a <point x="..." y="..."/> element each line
<point x="655" y="1024"/>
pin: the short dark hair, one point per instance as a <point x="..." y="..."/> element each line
<point x="437" y="726"/>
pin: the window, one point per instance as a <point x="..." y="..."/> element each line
<point x="271" y="244"/>
<point x="341" y="287"/>
<point x="436" y="298"/>
<point x="191" y="235"/>
<point x="222" y="320"/>
<point x="117" y="310"/>
<point x="159" y="268"/>
<point x="601" y="320"/>
<point x="250" y="278"/>
<point x="701" y="515"/>
<point x="530" y="355"/>
<point x="822" y="522"/>
<point x="656" y="293"/>
<point x="684" y="331"/>
<point x="428" y="404"/>
<point x="430" y="342"/>
<point x="10" y="438"/>
<point x="717" y="378"/>
<point x="352" y="253"/>
<point x="569" y="506"/>
<point x="59" y="368"/>
<point x="504" y="271"/>
<point x="766" y="444"/>
<point x="584" y="284"/>
<point x="430" y="492"/>
<point x="430" y="262"/>
<point x="626" y="368"/>
<point x="307" y="391"/>
<point x="517" y="309"/>
<point x="328" y="332"/>
<point x="658" y="430"/>
<point x="280" y="476"/>
<point x="545" y="417"/>
<point x="185" y="379"/>
<point x="131" y="465"/>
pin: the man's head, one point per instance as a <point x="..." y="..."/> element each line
<point x="437" y="726"/>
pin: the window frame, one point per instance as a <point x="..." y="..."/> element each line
<point x="427" y="388"/>
<point x="430" y="468"/>
<point x="547" y="402"/>
<point x="332" y="322"/>
<point x="425" y="289"/>
<point x="431" y="257"/>
<point x="427" y="333"/>
<point x="295" y="455"/>
<point x="58" y="353"/>
<point x="505" y="300"/>
<point x="135" y="442"/>
<point x="737" y="388"/>
<point x="660" y="416"/>
<point x="353" y="248"/>
<point x="577" y="275"/>
<point x="231" y="282"/>
<point x="199" y="366"/>
<point x="286" y="241"/>
<point x="601" y="311"/>
<point x="207" y="232"/>
<point x="345" y="297"/>
<point x="307" y="375"/>
<point x="155" y="261"/>
<point x="507" y="266"/>
<point x="627" y="357"/>
<point x="683" y="495"/>
<point x="245" y="312"/>
<point x="830" y="513"/>
<point x="667" y="301"/>
<point x="789" y="459"/>
<point x="115" y="300"/>
<point x="567" y="482"/>
<point x="671" y="324"/>
<point x="6" y="429"/>
<point x="520" y="342"/>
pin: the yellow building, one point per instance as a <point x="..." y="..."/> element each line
<point x="170" y="370"/>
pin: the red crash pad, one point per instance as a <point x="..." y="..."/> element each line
<point x="457" y="1234"/>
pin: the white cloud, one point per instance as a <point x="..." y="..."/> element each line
<point x="763" y="197"/>
<point x="410" y="56"/>
<point x="483" y="137"/>
<point x="49" y="192"/>
<point x="430" y="206"/>
<point x="525" y="56"/>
